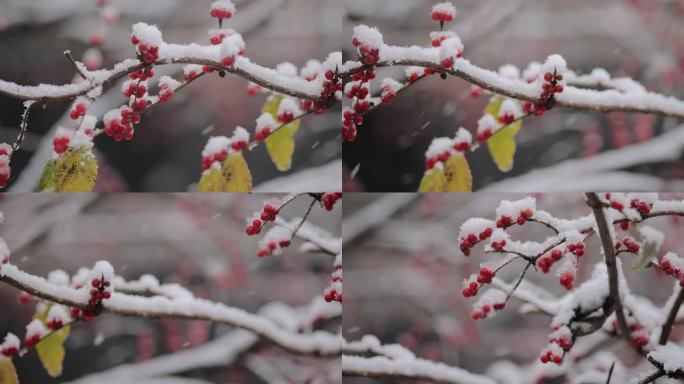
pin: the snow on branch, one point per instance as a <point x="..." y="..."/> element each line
<point x="412" y="369"/>
<point x="634" y="98"/>
<point x="219" y="352"/>
<point x="191" y="308"/>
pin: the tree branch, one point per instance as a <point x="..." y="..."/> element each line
<point x="318" y="343"/>
<point x="611" y="262"/>
<point x="601" y="101"/>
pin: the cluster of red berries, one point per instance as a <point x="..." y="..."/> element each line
<point x="222" y="9"/>
<point x="98" y="292"/>
<point x="487" y="309"/>
<point x="444" y="12"/>
<point x="269" y="213"/>
<point x="505" y="221"/>
<point x="555" y="350"/>
<point x="350" y="120"/>
<point x="498" y="245"/>
<point x="430" y="162"/>
<point x="576" y="248"/>
<point x="369" y="55"/>
<point x="254" y="226"/>
<point x="122" y="128"/>
<point x="462" y="146"/>
<point x="9" y="351"/>
<point x="627" y="243"/>
<point x="507" y="118"/>
<point x="566" y="279"/>
<point x="331" y="85"/>
<point x="239" y="145"/>
<point x="207" y="161"/>
<point x="60" y="144"/>
<point x="133" y="88"/>
<point x="673" y="267"/>
<point x="333" y="291"/>
<point x="469" y="241"/>
<point x="639" y="335"/>
<point x="79" y="109"/>
<point x="165" y="92"/>
<point x="644" y="207"/>
<point x="485" y="276"/>
<point x="546" y="261"/>
<point x="142" y="74"/>
<point x="387" y="95"/>
<point x="550" y="88"/>
<point x="5" y="171"/>
<point x="271" y="246"/>
<point x="146" y="53"/>
<point x="329" y="199"/>
<point x="470" y="289"/>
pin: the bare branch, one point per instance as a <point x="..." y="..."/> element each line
<point x="671" y="317"/>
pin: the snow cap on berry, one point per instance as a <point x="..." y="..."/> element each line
<point x="310" y="70"/>
<point x="391" y="84"/>
<point x="475" y="226"/>
<point x="444" y="11"/>
<point x="368" y="36"/>
<point x="487" y="123"/>
<point x="11" y="342"/>
<point x="554" y="64"/>
<point x="216" y="145"/>
<point x="510" y="107"/>
<point x="168" y="82"/>
<point x="148" y="34"/>
<point x="231" y="47"/>
<point x="35" y="328"/>
<point x="440" y="148"/>
<point x="463" y="136"/>
<point x="289" y="105"/>
<point x="224" y="9"/>
<point x="192" y="70"/>
<point x="58" y="313"/>
<point x="5" y="149"/>
<point x="514" y="208"/>
<point x="102" y="269"/>
<point x="240" y="135"/>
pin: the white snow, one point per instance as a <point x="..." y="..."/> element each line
<point x="670" y="355"/>
<point x="368" y="36"/>
<point x="149" y="34"/>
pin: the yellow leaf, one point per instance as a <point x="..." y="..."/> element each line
<point x="280" y="144"/>
<point x="51" y="351"/>
<point x="236" y="175"/>
<point x="211" y="181"/>
<point x="502" y="145"/>
<point x="457" y="174"/>
<point x="8" y="375"/>
<point x="76" y="171"/>
<point x="47" y="179"/>
<point x="433" y="181"/>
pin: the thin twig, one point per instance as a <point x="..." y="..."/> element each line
<point x="671" y="317"/>
<point x="610" y="373"/>
<point x="517" y="283"/>
<point x="306" y="215"/>
<point x="67" y="53"/>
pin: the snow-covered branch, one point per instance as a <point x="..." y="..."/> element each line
<point x="185" y="307"/>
